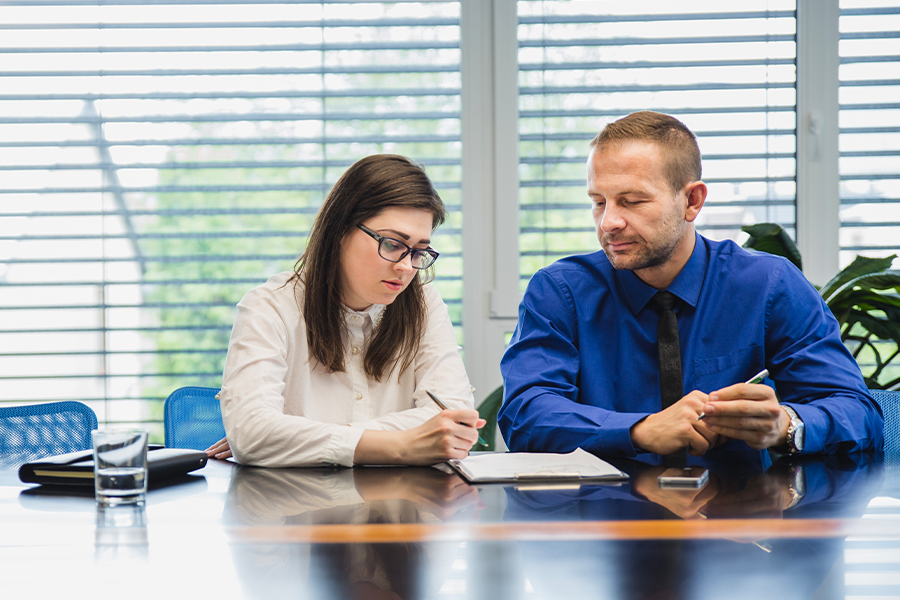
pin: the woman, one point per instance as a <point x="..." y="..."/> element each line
<point x="330" y="363"/>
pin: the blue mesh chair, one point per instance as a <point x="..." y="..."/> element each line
<point x="890" y="406"/>
<point x="192" y="418"/>
<point x="40" y="430"/>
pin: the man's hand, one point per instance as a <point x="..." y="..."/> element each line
<point x="676" y="427"/>
<point x="748" y="412"/>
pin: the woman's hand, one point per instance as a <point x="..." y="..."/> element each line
<point x="449" y="434"/>
<point x="220" y="450"/>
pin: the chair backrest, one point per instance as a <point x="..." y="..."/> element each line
<point x="35" y="431"/>
<point x="889" y="401"/>
<point x="193" y="418"/>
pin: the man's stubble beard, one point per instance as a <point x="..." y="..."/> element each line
<point x="647" y="255"/>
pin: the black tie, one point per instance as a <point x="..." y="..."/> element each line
<point x="670" y="386"/>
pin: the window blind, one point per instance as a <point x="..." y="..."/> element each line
<point x="727" y="70"/>
<point x="869" y="118"/>
<point x="160" y="158"/>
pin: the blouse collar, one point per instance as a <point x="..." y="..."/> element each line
<point x="373" y="313"/>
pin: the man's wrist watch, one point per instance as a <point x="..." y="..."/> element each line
<point x="796" y="433"/>
<point x="797" y="486"/>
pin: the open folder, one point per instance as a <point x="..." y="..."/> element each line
<point x="518" y="467"/>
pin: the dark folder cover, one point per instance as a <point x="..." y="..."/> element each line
<point x="77" y="468"/>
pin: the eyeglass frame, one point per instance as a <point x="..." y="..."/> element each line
<point x="409" y="250"/>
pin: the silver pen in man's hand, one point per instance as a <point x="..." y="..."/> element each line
<point x="443" y="406"/>
<point x="758" y="378"/>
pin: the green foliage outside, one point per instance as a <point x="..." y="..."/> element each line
<point x="205" y="273"/>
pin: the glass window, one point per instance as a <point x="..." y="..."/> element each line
<point x="159" y="160"/>
<point x="727" y="70"/>
<point x="869" y="116"/>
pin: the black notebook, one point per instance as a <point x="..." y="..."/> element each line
<point x="77" y="468"/>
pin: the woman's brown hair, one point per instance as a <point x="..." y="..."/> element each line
<point x="369" y="186"/>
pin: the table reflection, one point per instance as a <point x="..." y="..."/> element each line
<point x="240" y="532"/>
<point x="816" y="487"/>
<point x="360" y="496"/>
<point x="121" y="533"/>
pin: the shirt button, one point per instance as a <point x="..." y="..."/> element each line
<point x="359" y="396"/>
<point x="355" y="350"/>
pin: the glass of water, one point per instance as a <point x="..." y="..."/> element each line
<point x="120" y="466"/>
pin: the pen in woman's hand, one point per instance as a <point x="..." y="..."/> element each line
<point x="758" y="378"/>
<point x="443" y="406"/>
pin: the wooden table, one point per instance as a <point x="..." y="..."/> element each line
<point x="239" y="532"/>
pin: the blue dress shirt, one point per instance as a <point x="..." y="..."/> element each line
<point x="582" y="366"/>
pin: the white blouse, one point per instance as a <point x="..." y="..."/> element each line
<point x="282" y="409"/>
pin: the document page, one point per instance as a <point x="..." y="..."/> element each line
<point x="530" y="466"/>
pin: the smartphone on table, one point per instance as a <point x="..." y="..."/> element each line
<point x="688" y="477"/>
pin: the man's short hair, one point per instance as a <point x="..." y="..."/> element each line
<point x="674" y="139"/>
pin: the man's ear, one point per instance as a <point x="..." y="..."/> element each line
<point x="695" y="193"/>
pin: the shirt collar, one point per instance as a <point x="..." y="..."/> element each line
<point x="687" y="283"/>
<point x="373" y="313"/>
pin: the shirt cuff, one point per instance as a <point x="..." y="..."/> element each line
<point x="342" y="445"/>
<point x="615" y="434"/>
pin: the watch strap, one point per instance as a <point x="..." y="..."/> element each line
<point x="793" y="442"/>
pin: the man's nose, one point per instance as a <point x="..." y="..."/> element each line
<point x="612" y="219"/>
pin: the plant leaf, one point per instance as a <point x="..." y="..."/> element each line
<point x="864" y="299"/>
<point x="488" y="410"/>
<point x="773" y="239"/>
<point x="862" y="289"/>
<point x="861" y="265"/>
<point x="891" y="310"/>
<point x="883" y="328"/>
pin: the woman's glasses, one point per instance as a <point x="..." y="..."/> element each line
<point x="393" y="250"/>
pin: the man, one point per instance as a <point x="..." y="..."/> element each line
<point x="582" y="369"/>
